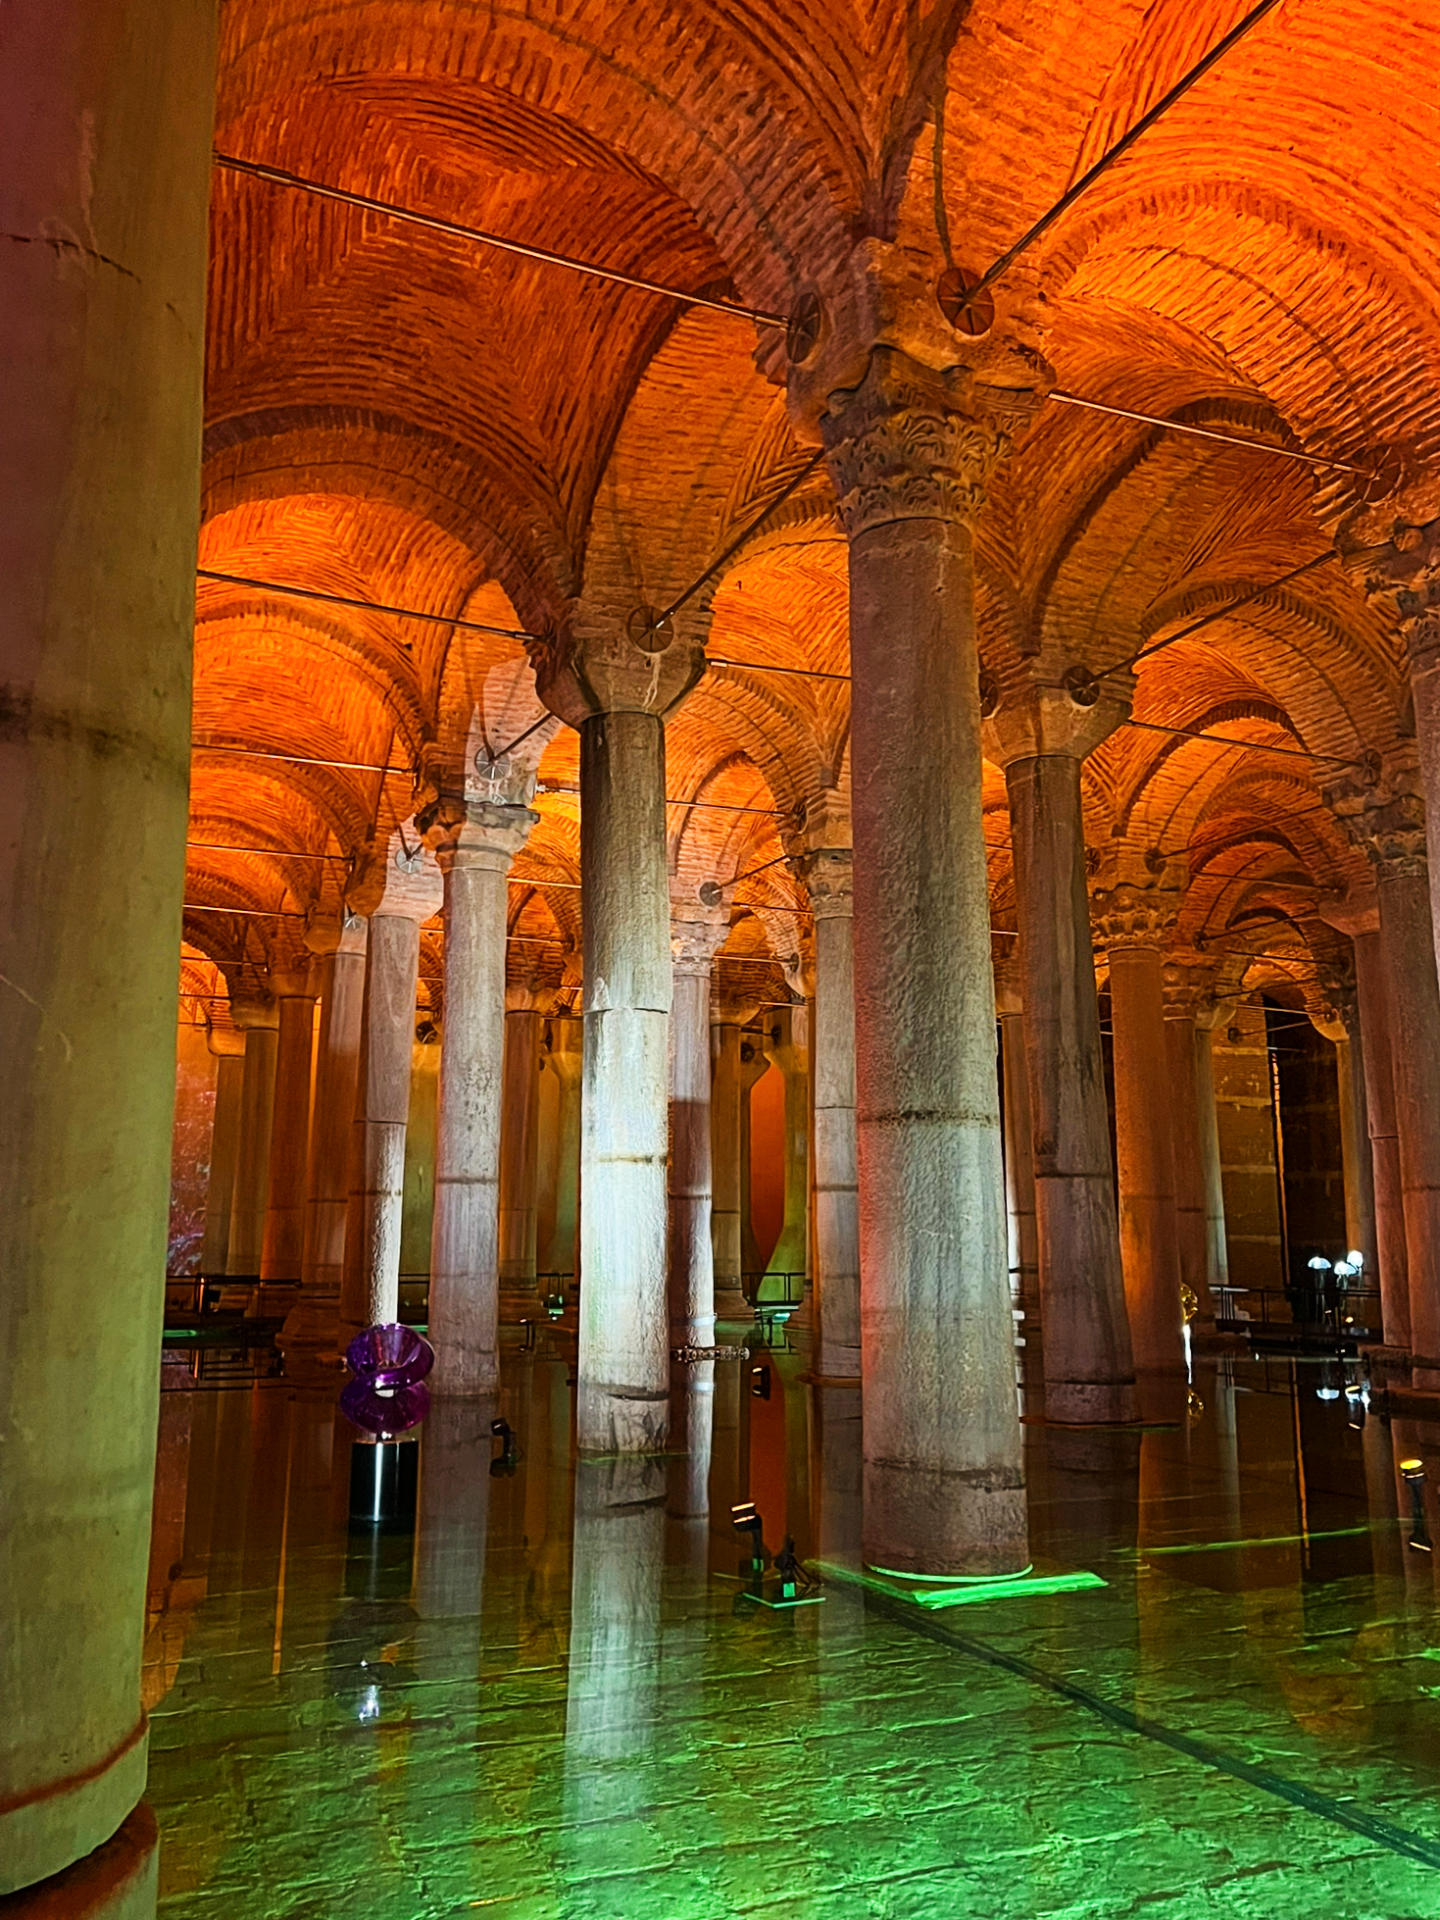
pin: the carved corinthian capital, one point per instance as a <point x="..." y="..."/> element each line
<point x="1386" y="820"/>
<point x="910" y="443"/>
<point x="1403" y="573"/>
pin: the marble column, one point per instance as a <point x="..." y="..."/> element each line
<point x="1335" y="1015"/>
<point x="283" y="1246"/>
<point x="1358" y="915"/>
<point x="103" y="204"/>
<point x="525" y="1003"/>
<point x="753" y="1067"/>
<point x="474" y="844"/>
<point x="1131" y="921"/>
<point x="228" y="1045"/>
<point x="788" y="1050"/>
<point x="696" y="937"/>
<point x="1189" y="998"/>
<point x="1217" y="1258"/>
<point x="339" y="947"/>
<point x="908" y="450"/>
<point x="1040" y="734"/>
<point x="410" y="890"/>
<point x="1023" y="1239"/>
<point x="259" y="1020"/>
<point x="826" y="870"/>
<point x="727" y="1017"/>
<point x="564" y="1058"/>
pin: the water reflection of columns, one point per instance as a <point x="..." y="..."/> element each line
<point x="618" y="1558"/>
<point x="692" y="1428"/>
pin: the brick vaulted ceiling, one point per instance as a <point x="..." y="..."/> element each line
<point x="398" y="417"/>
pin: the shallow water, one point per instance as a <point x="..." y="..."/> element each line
<point x="554" y="1696"/>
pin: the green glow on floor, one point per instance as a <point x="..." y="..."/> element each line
<point x="952" y="1579"/>
<point x="1264" y="1540"/>
<point x="1011" y="1590"/>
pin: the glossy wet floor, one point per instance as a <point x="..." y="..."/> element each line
<point x="554" y="1696"/>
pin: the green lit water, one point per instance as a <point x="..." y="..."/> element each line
<point x="554" y="1699"/>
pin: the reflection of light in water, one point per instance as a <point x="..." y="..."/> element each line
<point x="1327" y="1393"/>
<point x="369" y="1707"/>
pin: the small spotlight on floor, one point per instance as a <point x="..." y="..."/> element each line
<point x="1412" y="1472"/>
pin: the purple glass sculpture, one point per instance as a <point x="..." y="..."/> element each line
<point x="386" y="1397"/>
<point x="384" y="1411"/>
<point x="390" y="1356"/>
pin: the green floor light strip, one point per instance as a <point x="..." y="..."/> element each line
<point x="1016" y="1586"/>
<point x="1264" y="1540"/>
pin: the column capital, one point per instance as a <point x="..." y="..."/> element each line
<point x="1055" y="710"/>
<point x="399" y="879"/>
<point x="1402" y="574"/>
<point x="696" y="937"/>
<point x="620" y="658"/>
<point x="485" y="834"/>
<point x="1385" y="818"/>
<point x="256" y="1010"/>
<point x="1353" y="912"/>
<point x="911" y="443"/>
<point x="1190" y="983"/>
<point x="1130" y="914"/>
<point x="1332" y="1004"/>
<point x="827" y="874"/>
<point x="293" y="983"/>
<point x="224" y="1041"/>
<point x="327" y="933"/>
<point x="731" y="1006"/>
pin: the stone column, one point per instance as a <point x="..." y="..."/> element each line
<point x="696" y="937"/>
<point x="339" y="947"/>
<point x="727" y="1017"/>
<point x="524" y="1003"/>
<point x="1336" y="1017"/>
<point x="908" y="450"/>
<point x="788" y="1050"/>
<point x="613" y="678"/>
<point x="259" y="1020"/>
<point x="410" y="890"/>
<point x="103" y="203"/>
<point x="283" y="1246"/>
<point x="564" y="1057"/>
<point x="474" y="844"/>
<point x="825" y="867"/>
<point x="1190" y="998"/>
<point x="1040" y="734"/>
<point x="1359" y="916"/>
<point x="228" y="1045"/>
<point x="1389" y="821"/>
<point x="1131" y="921"/>
<point x="1023" y="1239"/>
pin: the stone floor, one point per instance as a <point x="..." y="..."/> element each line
<point x="554" y="1697"/>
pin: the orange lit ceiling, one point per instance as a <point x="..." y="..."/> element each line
<point x="398" y="417"/>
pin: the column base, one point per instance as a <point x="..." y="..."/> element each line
<point x="921" y="1521"/>
<point x="730" y="1302"/>
<point x="1092" y="1403"/>
<point x="118" y="1881"/>
<point x="312" y="1322"/>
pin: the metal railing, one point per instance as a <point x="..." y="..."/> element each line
<point x="1315" y="1315"/>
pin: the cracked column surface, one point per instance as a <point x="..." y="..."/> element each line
<point x="103" y="201"/>
<point x="1041" y="734"/>
<point x="909" y="446"/>
<point x="474" y="843"/>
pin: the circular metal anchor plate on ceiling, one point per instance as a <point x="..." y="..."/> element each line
<point x="648" y="631"/>
<point x="1082" y="686"/>
<point x="973" y="315"/>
